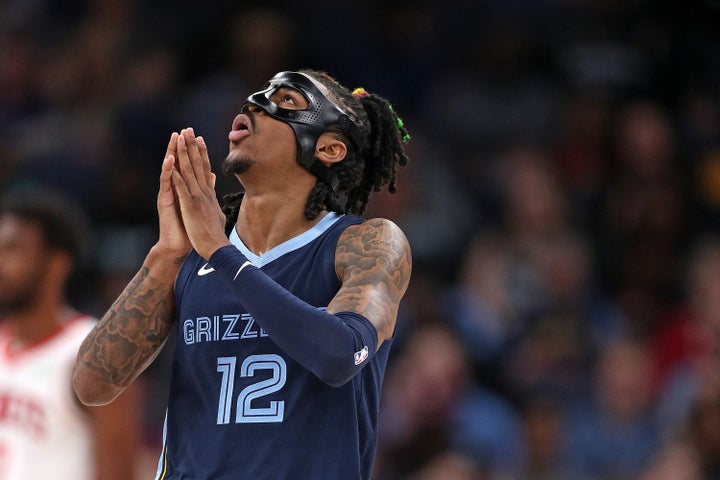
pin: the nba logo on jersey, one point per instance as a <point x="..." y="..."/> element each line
<point x="361" y="355"/>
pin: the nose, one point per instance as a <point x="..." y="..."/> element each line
<point x="250" y="108"/>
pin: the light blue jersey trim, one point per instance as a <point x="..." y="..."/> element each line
<point x="162" y="461"/>
<point x="288" y="246"/>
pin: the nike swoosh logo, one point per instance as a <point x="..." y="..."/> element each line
<point x="204" y="270"/>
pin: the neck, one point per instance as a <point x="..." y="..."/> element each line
<point x="266" y="221"/>
<point x="38" y="321"/>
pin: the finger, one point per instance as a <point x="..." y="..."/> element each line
<point x="165" y="193"/>
<point x="206" y="167"/>
<point x="179" y="185"/>
<point x="185" y="166"/>
<point x="167" y="168"/>
<point x="172" y="145"/>
<point x="195" y="157"/>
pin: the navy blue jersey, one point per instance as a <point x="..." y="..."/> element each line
<point x="239" y="407"/>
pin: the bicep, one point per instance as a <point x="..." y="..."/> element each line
<point x="374" y="263"/>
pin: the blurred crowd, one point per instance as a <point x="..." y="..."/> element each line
<point x="562" y="202"/>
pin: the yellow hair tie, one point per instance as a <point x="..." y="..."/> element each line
<point x="360" y="92"/>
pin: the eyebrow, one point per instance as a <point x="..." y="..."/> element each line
<point x="284" y="87"/>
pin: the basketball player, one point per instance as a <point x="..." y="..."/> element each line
<point x="285" y="307"/>
<point x="45" y="432"/>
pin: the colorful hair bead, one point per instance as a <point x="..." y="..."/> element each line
<point x="360" y="92"/>
<point x="401" y="125"/>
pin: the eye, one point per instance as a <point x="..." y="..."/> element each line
<point x="287" y="98"/>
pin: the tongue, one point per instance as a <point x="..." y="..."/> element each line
<point x="237" y="135"/>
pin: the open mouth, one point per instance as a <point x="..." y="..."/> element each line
<point x="242" y="122"/>
<point x="241" y="128"/>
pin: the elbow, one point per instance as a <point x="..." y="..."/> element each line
<point x="334" y="380"/>
<point x="91" y="390"/>
<point x="335" y="376"/>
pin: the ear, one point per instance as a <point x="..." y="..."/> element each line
<point x="329" y="149"/>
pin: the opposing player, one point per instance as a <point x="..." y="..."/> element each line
<point x="45" y="432"/>
<point x="286" y="304"/>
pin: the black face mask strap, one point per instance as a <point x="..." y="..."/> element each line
<point x="320" y="116"/>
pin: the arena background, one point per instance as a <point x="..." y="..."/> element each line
<point x="562" y="202"/>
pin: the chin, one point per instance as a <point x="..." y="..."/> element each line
<point x="234" y="165"/>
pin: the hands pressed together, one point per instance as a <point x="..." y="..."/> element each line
<point x="189" y="213"/>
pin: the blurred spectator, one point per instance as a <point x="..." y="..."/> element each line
<point x="485" y="305"/>
<point x="677" y="460"/>
<point x="686" y="344"/>
<point x="644" y="224"/>
<point x="613" y="435"/>
<point x="450" y="212"/>
<point x="572" y="323"/>
<point x="704" y="431"/>
<point x="433" y="408"/>
<point x="527" y="303"/>
<point x="144" y="110"/>
<point x="706" y="191"/>
<point x="544" y="432"/>
<point x="692" y="452"/>
<point x="581" y="157"/>
<point x="450" y="466"/>
<point x="499" y="285"/>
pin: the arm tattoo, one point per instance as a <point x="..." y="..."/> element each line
<point x="131" y="333"/>
<point x="373" y="262"/>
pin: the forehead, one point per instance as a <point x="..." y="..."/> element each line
<point x="14" y="229"/>
<point x="300" y="82"/>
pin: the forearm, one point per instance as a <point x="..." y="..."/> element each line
<point x="324" y="343"/>
<point x="130" y="334"/>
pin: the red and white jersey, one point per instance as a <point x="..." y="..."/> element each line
<point x="43" y="431"/>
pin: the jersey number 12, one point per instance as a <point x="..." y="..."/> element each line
<point x="245" y="412"/>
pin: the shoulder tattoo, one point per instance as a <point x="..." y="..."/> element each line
<point x="374" y="263"/>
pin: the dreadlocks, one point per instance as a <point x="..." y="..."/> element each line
<point x="361" y="172"/>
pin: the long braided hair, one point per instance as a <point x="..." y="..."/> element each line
<point x="361" y="172"/>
